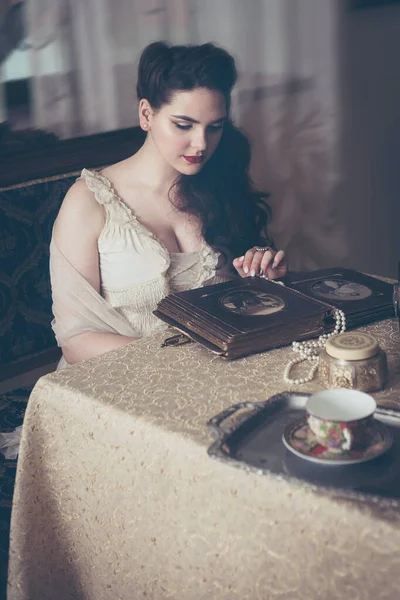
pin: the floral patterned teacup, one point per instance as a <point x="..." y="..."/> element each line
<point x="339" y="418"/>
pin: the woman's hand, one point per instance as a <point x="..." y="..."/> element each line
<point x="262" y="262"/>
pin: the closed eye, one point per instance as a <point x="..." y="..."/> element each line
<point x="184" y="127"/>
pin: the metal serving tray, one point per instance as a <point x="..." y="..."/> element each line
<point x="255" y="444"/>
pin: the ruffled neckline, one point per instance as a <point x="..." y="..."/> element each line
<point x="105" y="192"/>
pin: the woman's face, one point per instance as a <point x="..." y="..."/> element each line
<point x="187" y="131"/>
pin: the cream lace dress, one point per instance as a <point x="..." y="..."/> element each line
<point x="136" y="272"/>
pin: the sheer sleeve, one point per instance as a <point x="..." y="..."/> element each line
<point x="77" y="306"/>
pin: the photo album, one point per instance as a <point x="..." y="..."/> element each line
<point x="250" y="315"/>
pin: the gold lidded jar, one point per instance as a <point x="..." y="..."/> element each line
<point x="353" y="360"/>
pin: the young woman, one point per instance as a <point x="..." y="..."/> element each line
<point x="180" y="213"/>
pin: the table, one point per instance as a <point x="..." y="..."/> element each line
<point x="116" y="497"/>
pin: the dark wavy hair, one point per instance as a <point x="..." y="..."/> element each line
<point x="234" y="215"/>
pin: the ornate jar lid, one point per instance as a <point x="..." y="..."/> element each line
<point x="352" y="346"/>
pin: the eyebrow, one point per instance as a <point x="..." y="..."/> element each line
<point x="184" y="118"/>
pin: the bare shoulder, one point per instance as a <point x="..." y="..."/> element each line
<point x="119" y="169"/>
<point x="79" y="203"/>
<point x="77" y="229"/>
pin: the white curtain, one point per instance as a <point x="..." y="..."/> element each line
<point x="84" y="58"/>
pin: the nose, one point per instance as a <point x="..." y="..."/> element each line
<point x="199" y="140"/>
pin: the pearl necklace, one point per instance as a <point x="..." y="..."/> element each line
<point x="310" y="351"/>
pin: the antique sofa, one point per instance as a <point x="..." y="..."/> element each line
<point x="32" y="187"/>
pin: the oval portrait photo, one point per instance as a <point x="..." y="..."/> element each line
<point x="340" y="289"/>
<point x="252" y="303"/>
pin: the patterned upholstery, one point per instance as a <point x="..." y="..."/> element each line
<point x="27" y="214"/>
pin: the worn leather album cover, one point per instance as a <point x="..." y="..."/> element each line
<point x="245" y="316"/>
<point x="362" y="298"/>
<point x="250" y="315"/>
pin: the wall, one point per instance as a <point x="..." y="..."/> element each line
<point x="371" y="137"/>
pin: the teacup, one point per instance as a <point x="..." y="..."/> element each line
<point x="339" y="418"/>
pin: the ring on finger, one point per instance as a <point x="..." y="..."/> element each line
<point x="261" y="248"/>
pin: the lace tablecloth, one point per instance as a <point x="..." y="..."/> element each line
<point x="116" y="497"/>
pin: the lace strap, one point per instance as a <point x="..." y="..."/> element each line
<point x="105" y="194"/>
<point x="99" y="185"/>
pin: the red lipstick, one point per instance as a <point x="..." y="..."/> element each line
<point x="193" y="159"/>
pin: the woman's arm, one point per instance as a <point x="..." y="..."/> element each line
<point x="76" y="232"/>
<point x="86" y="345"/>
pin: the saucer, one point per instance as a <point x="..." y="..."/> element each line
<point x="299" y="439"/>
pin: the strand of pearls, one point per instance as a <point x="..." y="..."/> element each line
<point x="310" y="351"/>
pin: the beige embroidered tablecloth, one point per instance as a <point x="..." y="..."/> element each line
<point x="116" y="497"/>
